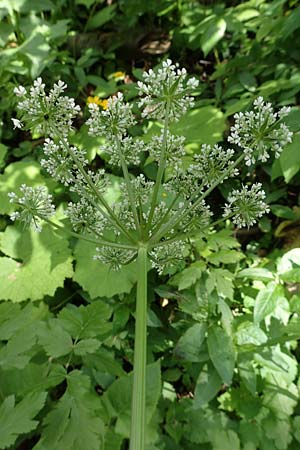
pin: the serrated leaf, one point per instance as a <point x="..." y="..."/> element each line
<point x="207" y="386"/>
<point x="17" y="419"/>
<point x="248" y="333"/>
<point x="74" y="423"/>
<point x="266" y="301"/>
<point x="33" y="378"/>
<point x="86" y="346"/>
<point x="100" y="280"/>
<point x="14" y="353"/>
<point x="189" y="345"/>
<point x="45" y="263"/>
<point x="225" y="257"/>
<point x="86" y="321"/>
<point x="221" y="352"/>
<point x="221" y="280"/>
<point x="188" y="276"/>
<point x="54" y="339"/>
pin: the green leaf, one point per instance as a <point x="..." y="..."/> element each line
<point x="3" y="152"/>
<point x="248" y="333"/>
<point x="266" y="300"/>
<point x="188" y="276"/>
<point x="285" y="212"/>
<point x="207" y="386"/>
<point x="291" y="24"/>
<point x="221" y="352"/>
<point x="15" y="354"/>
<point x="36" y="263"/>
<point x="86" y="321"/>
<point x="74" y="423"/>
<point x="118" y="397"/>
<point x="55" y="341"/>
<point x="226" y="440"/>
<point x="225" y="257"/>
<point x="256" y="274"/>
<point x="86" y="346"/>
<point x="248" y="374"/>
<point x="98" y="279"/>
<point x="202" y="125"/>
<point x="248" y="80"/>
<point x="221" y="280"/>
<point x="213" y="35"/>
<point x="17" y="419"/>
<point x="290" y="159"/>
<point x="101" y="17"/>
<point x="189" y="345"/>
<point x="37" y="51"/>
<point x="292" y="276"/>
<point x="33" y="378"/>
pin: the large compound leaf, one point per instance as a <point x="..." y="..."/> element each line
<point x="98" y="279"/>
<point x="74" y="423"/>
<point x="18" y="419"/>
<point x="36" y="263"/>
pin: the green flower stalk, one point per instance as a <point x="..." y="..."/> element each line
<point x="153" y="221"/>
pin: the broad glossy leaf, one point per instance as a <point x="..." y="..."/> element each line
<point x="36" y="263"/>
<point x="98" y="279"/>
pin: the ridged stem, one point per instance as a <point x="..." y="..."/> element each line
<point x="138" y="410"/>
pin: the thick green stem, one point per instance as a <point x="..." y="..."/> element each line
<point x="138" y="411"/>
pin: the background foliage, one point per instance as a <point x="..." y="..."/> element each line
<point x="223" y="326"/>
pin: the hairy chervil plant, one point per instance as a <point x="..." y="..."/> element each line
<point x="153" y="220"/>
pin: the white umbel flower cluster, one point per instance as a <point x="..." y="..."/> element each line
<point x="85" y="218"/>
<point x="127" y="147"/>
<point x="174" y="149"/>
<point x="164" y="257"/>
<point x="115" y="257"/>
<point x="35" y="204"/>
<point x="114" y="121"/>
<point x="59" y="163"/>
<point x="246" y="205"/>
<point x="161" y="214"/>
<point x="168" y="85"/>
<point x="260" y="132"/>
<point x="211" y="163"/>
<point x="46" y="114"/>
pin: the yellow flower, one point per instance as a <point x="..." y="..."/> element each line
<point x="118" y="75"/>
<point x="98" y="101"/>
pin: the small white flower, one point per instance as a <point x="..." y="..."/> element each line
<point x="17" y="123"/>
<point x="20" y="91"/>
